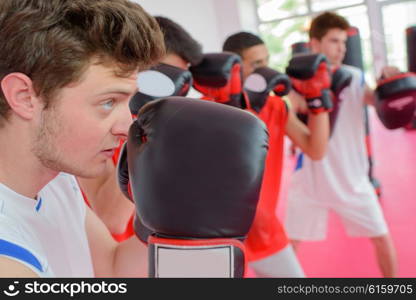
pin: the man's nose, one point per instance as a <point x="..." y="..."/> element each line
<point x="123" y="122"/>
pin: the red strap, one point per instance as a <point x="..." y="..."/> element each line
<point x="196" y="243"/>
<point x="396" y="77"/>
<point x="222" y="94"/>
<point x="128" y="232"/>
<point x="235" y="80"/>
<point x="352" y="31"/>
<point x="279" y="88"/>
<point x="85" y="198"/>
<point x="117" y="152"/>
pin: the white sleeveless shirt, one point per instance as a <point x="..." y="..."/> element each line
<point x="47" y="235"/>
<point x="342" y="175"/>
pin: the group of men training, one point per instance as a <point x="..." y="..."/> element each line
<point x="79" y="202"/>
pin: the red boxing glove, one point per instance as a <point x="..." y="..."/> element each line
<point x="311" y="78"/>
<point x="226" y="93"/>
<point x="218" y="78"/>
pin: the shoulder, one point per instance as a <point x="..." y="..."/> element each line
<point x="64" y="180"/>
<point x="19" y="249"/>
<point x="18" y="261"/>
<point x="19" y="246"/>
<point x="358" y="74"/>
<point x="352" y="69"/>
<point x="64" y="189"/>
<point x="64" y="194"/>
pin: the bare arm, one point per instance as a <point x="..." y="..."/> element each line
<point x="105" y="198"/>
<point x="312" y="139"/>
<point x="297" y="102"/>
<point x="113" y="259"/>
<point x="369" y="97"/>
<point x="386" y="72"/>
<point x="12" y="268"/>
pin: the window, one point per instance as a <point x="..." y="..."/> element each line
<point x="322" y="5"/>
<point x="396" y="18"/>
<point x="285" y="22"/>
<point x="279" y="37"/>
<point x="279" y="9"/>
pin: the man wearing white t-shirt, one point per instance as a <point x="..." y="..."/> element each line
<point x="340" y="182"/>
<point x="67" y="72"/>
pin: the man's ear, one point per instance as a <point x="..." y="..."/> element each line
<point x="20" y="95"/>
<point x="315" y="45"/>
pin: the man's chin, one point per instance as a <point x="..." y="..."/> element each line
<point x="89" y="172"/>
<point x="336" y="63"/>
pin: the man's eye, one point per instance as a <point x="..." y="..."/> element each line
<point x="108" y="104"/>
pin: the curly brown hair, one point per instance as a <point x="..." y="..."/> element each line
<point x="326" y="21"/>
<point x="54" y="41"/>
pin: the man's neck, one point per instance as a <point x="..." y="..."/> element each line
<point x="20" y="170"/>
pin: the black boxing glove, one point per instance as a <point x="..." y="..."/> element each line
<point x="263" y="81"/>
<point x="195" y="170"/>
<point x="142" y="232"/>
<point x="341" y="78"/>
<point x="160" y="81"/>
<point x="396" y="100"/>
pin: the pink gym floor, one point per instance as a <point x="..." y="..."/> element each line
<point x="394" y="155"/>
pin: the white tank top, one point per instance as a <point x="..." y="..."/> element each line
<point x="48" y="234"/>
<point x="342" y="175"/>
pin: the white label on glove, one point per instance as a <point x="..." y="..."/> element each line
<point x="315" y="103"/>
<point x="400" y="103"/>
<point x="193" y="262"/>
<point x="154" y="83"/>
<point x="255" y="83"/>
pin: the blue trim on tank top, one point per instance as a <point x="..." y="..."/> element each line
<point x="39" y="204"/>
<point x="299" y="162"/>
<point x="12" y="250"/>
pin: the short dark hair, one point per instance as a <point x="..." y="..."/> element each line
<point x="178" y="41"/>
<point x="326" y="21"/>
<point x="240" y="41"/>
<point x="54" y="41"/>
